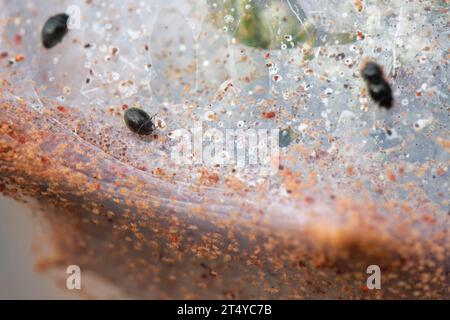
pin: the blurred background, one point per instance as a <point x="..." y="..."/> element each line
<point x="18" y="279"/>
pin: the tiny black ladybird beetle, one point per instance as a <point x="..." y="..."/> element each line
<point x="379" y="88"/>
<point x="54" y="30"/>
<point x="138" y="121"/>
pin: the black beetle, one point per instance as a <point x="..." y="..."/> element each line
<point x="138" y="121"/>
<point x="54" y="30"/>
<point x="379" y="89"/>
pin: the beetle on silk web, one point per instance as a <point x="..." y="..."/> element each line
<point x="139" y="121"/>
<point x="54" y="30"/>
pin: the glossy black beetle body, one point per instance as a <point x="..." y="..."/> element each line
<point x="379" y="89"/>
<point x="54" y="30"/>
<point x="138" y="121"/>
